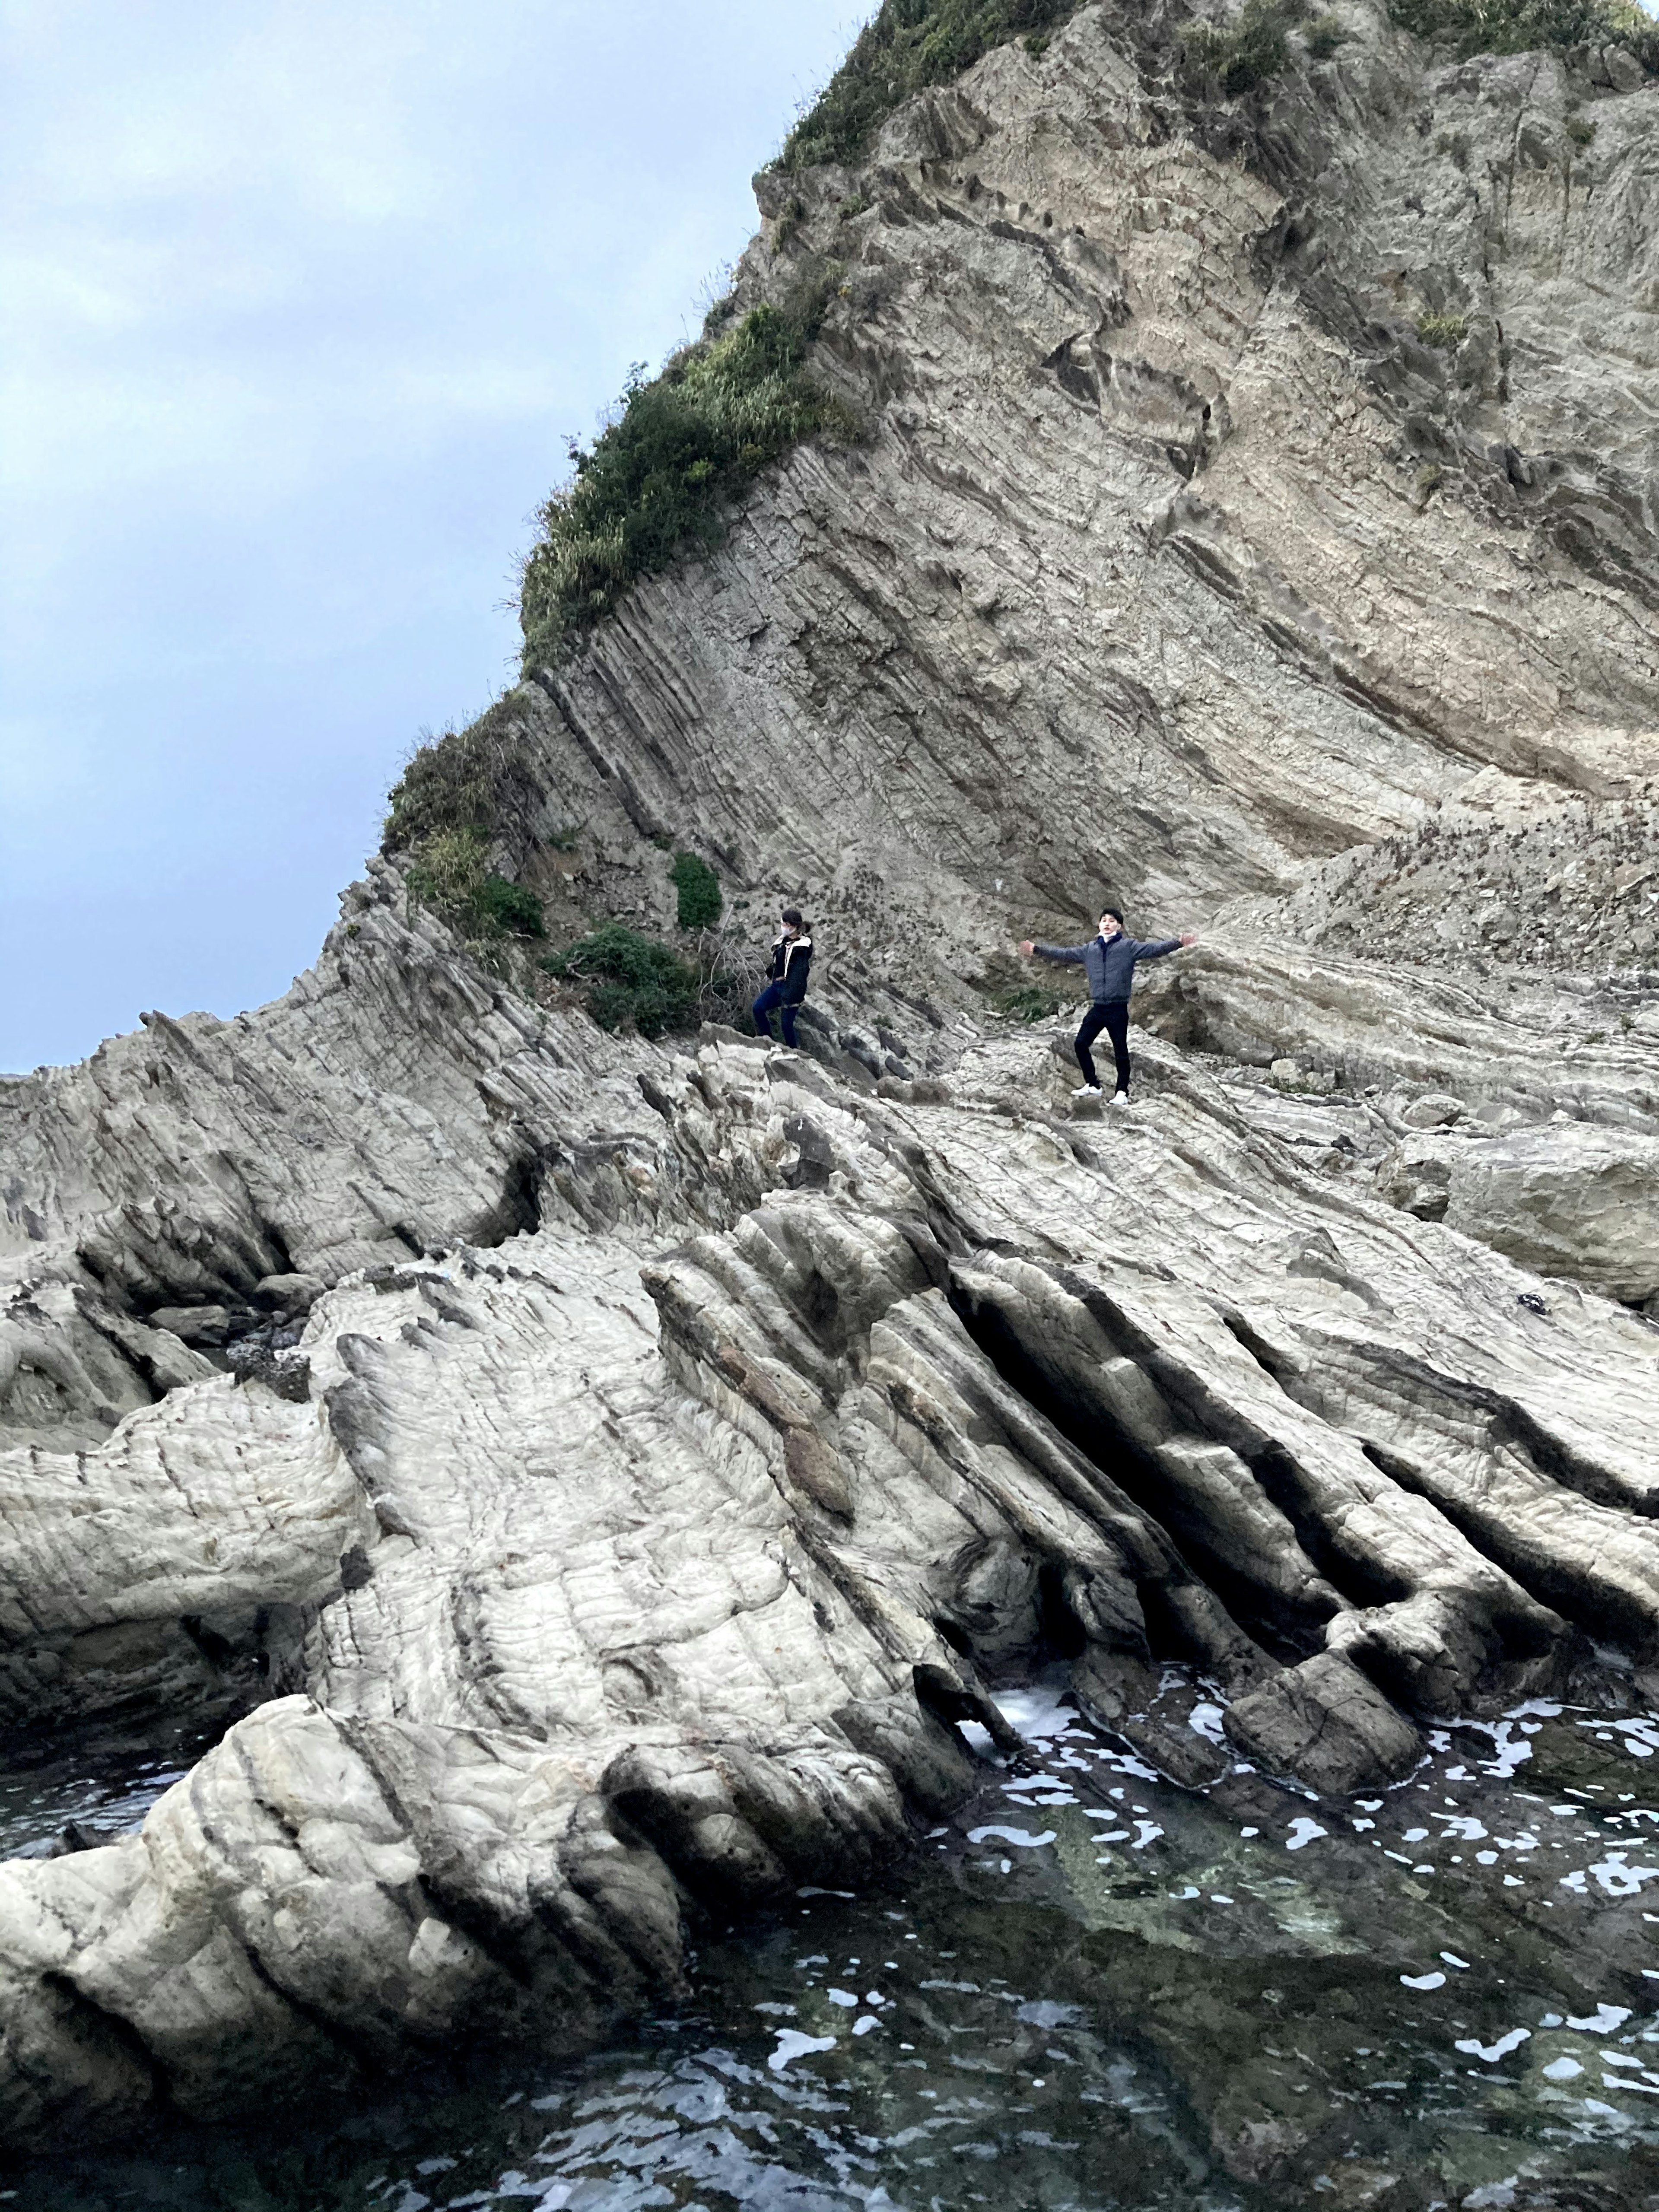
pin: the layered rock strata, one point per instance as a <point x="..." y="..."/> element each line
<point x="626" y="1577"/>
<point x="613" y="1482"/>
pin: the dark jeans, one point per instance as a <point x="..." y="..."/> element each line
<point x="770" y="997"/>
<point x="1115" y="1020"/>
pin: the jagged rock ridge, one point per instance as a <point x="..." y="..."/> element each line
<point x="614" y="1478"/>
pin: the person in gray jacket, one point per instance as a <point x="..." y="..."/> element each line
<point x="1108" y="960"/>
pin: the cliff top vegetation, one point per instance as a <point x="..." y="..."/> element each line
<point x="909" y="44"/>
<point x="656" y="478"/>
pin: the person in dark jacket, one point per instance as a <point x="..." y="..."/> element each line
<point x="791" y="958"/>
<point x="1108" y="960"/>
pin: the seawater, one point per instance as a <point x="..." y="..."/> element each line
<point x="1090" y="1991"/>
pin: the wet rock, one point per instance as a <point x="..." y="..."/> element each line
<point x="295" y="1293"/>
<point x="1325" y="1724"/>
<point x="193" y="1324"/>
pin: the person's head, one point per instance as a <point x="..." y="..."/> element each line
<point x="793" y="924"/>
<point x="1111" y="921"/>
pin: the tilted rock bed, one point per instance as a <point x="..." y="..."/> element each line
<point x="611" y="1577"/>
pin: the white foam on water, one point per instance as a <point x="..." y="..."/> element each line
<point x="1303" y="1833"/>
<point x="1206" y="1721"/>
<point x="1044" y="2012"/>
<point x="1022" y="1837"/>
<point x="865" y="2022"/>
<point x="1425" y="1982"/>
<point x="1491" y="2052"/>
<point x="845" y="1998"/>
<point x="1037" y="1712"/>
<point x="1563" y="2070"/>
<point x="1602" y="2020"/>
<point x="1510" y="1748"/>
<point x="1122" y="1762"/>
<point x="792" y="2044"/>
<point x="1615" y="1878"/>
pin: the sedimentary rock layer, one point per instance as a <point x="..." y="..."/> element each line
<point x="633" y="1576"/>
<point x="611" y="1481"/>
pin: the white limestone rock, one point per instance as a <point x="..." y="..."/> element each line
<point x="1571" y="1200"/>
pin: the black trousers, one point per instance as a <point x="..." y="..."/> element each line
<point x="1115" y="1020"/>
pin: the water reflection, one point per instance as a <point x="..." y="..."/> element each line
<point x="1094" y="1990"/>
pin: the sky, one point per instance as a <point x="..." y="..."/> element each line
<point x="300" y="304"/>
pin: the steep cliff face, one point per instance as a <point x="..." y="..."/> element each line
<point x="1174" y="554"/>
<point x="616" y="1477"/>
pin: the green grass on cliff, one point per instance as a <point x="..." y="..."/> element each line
<point x="629" y="980"/>
<point x="657" y="479"/>
<point x="907" y="46"/>
<point x="1519" y="26"/>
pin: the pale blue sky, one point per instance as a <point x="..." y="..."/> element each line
<point x="300" y="301"/>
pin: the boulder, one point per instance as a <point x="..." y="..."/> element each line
<point x="193" y="1324"/>
<point x="1434" y="1110"/>
<point x="1569" y="1199"/>
<point x="1416" y="1176"/>
<point x="1325" y="1724"/>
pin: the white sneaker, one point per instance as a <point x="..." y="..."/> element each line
<point x="1087" y="1091"/>
<point x="1119" y="1098"/>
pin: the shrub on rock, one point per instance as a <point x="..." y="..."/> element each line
<point x="629" y="978"/>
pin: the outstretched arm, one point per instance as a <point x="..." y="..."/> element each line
<point x="1159" y="945"/>
<point x="1052" y="951"/>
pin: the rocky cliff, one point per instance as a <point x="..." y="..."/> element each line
<point x="610" y="1480"/>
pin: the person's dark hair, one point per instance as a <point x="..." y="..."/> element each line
<point x="1116" y="915"/>
<point x="793" y="916"/>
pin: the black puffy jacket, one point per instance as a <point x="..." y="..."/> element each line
<point x="791" y="958"/>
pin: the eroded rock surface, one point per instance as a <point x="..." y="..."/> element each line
<point x="611" y="1482"/>
<point x="622" y="1576"/>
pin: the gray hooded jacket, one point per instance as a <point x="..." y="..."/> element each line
<point x="1109" y="962"/>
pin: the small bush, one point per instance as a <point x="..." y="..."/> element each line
<point x="1233" y="58"/>
<point x="657" y="479"/>
<point x="1028" y="1002"/>
<point x="699" y="889"/>
<point x="1445" y="331"/>
<point x="509" y="907"/>
<point x="1517" y="27"/>
<point x="907" y="46"/>
<point x="456" y="782"/>
<point x="1323" y="36"/>
<point x="1580" y="132"/>
<point x="630" y="978"/>
<point x="452" y="875"/>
